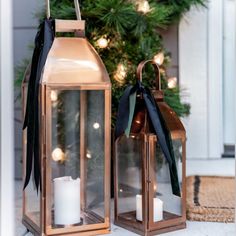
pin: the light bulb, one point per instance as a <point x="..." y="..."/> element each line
<point x="88" y="155"/>
<point x="54" y="96"/>
<point x="155" y="187"/>
<point x="143" y="7"/>
<point x="58" y="154"/>
<point x="159" y="58"/>
<point x="96" y="125"/>
<point x="102" y="42"/>
<point x="122" y="70"/>
<point x="172" y="82"/>
<point x="121" y="73"/>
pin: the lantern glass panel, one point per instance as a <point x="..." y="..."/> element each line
<point x="172" y="205"/>
<point x="77" y="151"/>
<point x="32" y="203"/>
<point x="129" y="177"/>
<point x="31" y="197"/>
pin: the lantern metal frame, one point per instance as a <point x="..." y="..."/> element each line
<point x="148" y="180"/>
<point x="45" y="195"/>
<point x="45" y="114"/>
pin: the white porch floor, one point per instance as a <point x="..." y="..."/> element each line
<point x="224" y="167"/>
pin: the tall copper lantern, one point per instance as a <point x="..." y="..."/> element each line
<point x="74" y="123"/>
<point x="144" y="202"/>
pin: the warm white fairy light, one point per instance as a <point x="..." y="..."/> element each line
<point x="102" y="42"/>
<point x="155" y="187"/>
<point x="159" y="58"/>
<point x="96" y="125"/>
<point x="121" y="73"/>
<point x="143" y="6"/>
<point x="88" y="155"/>
<point x="122" y="70"/>
<point x="54" y="96"/>
<point x="172" y="82"/>
<point x="58" y="155"/>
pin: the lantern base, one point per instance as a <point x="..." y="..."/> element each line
<point x="153" y="232"/>
<point x="66" y="226"/>
<point x="126" y="223"/>
<point x="36" y="231"/>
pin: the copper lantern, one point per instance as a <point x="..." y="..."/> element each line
<point x="74" y="120"/>
<point x="144" y="202"/>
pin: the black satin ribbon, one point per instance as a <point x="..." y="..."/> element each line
<point x="159" y="126"/>
<point x="43" y="43"/>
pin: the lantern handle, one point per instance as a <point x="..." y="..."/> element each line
<point x="157" y="71"/>
<point x="77" y="9"/>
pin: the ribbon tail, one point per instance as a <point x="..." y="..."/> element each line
<point x="132" y="103"/>
<point x="123" y="113"/>
<point x="163" y="138"/>
<point x="37" y="172"/>
<point x="43" y="43"/>
<point x="48" y="41"/>
<point x="174" y="179"/>
<point x="29" y="154"/>
<point x="33" y="72"/>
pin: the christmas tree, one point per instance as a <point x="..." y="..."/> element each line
<point x="125" y="32"/>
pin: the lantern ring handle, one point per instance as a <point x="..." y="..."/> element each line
<point x="77" y="9"/>
<point x="156" y="69"/>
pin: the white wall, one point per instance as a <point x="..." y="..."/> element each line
<point x="193" y="73"/>
<point x="229" y="71"/>
<point x="6" y="121"/>
<point x="200" y="62"/>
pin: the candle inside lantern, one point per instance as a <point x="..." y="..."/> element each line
<point x="157" y="209"/>
<point x="139" y="207"/>
<point x="66" y="201"/>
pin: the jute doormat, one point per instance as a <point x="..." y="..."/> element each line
<point x="210" y="198"/>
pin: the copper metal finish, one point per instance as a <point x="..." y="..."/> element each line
<point x="72" y="64"/>
<point x="141" y="128"/>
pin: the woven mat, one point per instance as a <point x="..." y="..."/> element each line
<point x="210" y="198"/>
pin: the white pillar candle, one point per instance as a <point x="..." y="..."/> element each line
<point x="66" y="200"/>
<point x="139" y="213"/>
<point x="157" y="209"/>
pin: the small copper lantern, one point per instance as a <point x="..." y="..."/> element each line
<point x="74" y="124"/>
<point x="144" y="202"/>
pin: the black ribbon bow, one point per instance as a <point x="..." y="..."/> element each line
<point x="43" y="43"/>
<point x="158" y="123"/>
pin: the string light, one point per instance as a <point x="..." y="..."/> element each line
<point x="155" y="187"/>
<point x="159" y="58"/>
<point x="58" y="155"/>
<point x="88" y="155"/>
<point x="102" y="42"/>
<point x="172" y="82"/>
<point x="54" y="96"/>
<point x="96" y="125"/>
<point x="121" y="73"/>
<point x="143" y="6"/>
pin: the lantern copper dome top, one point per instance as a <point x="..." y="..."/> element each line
<point x="141" y="122"/>
<point x="73" y="61"/>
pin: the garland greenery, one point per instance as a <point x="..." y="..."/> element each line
<point x="125" y="32"/>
